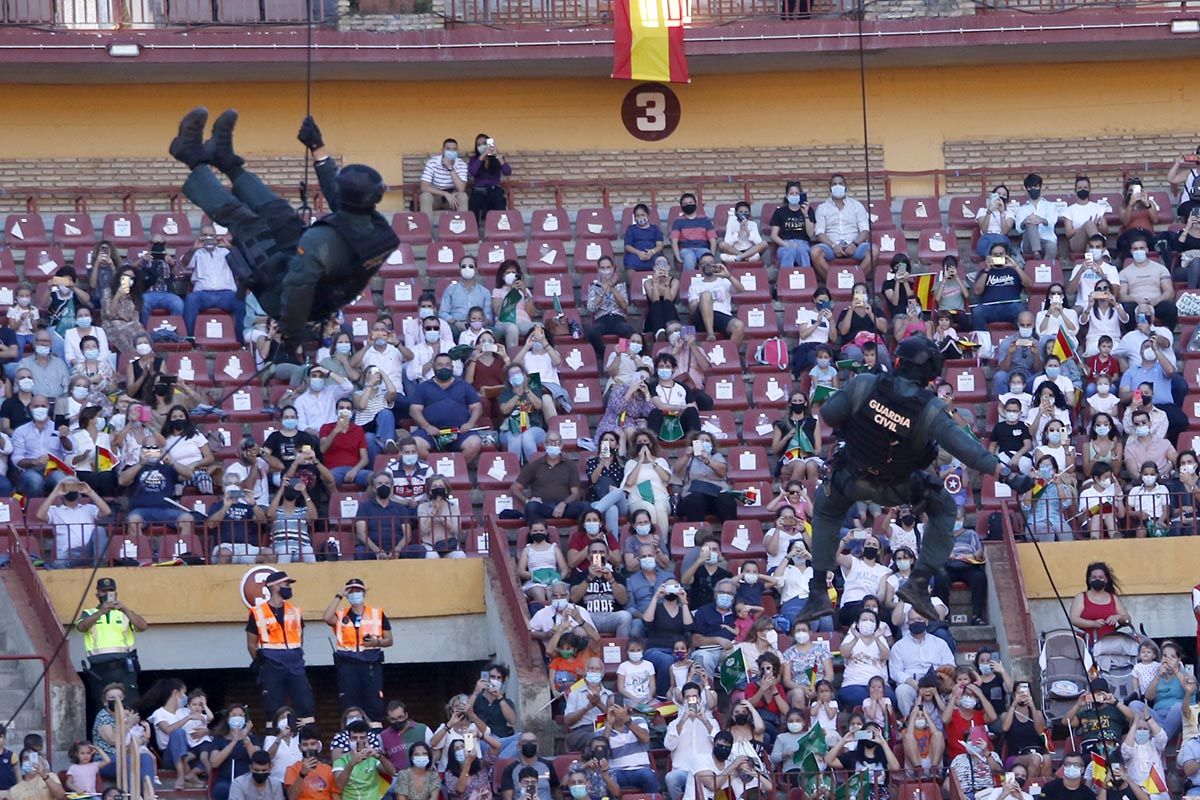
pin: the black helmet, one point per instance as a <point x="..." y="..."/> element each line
<point x="359" y="188"/>
<point x="918" y="359"/>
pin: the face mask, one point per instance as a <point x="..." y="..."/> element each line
<point x="40" y="414"/>
<point x="579" y="791"/>
<point x="713" y="558"/>
<point x="342" y="348"/>
<point x="1139" y="256"/>
<point x="1052" y="372"/>
<point x="635" y="348"/>
<point x="83" y="322"/>
<point x="724" y="601"/>
<point x="1012" y="416"/>
<point x="237" y="723"/>
<point x="986" y="669"/>
<point x="25" y="384"/>
<point x="559" y="603"/>
<point x="24" y="302"/>
<point x="870" y="553"/>
<point x="1142" y="430"/>
<point x="1187" y="469"/>
<point x="476" y="324"/>
<point x="665" y="374"/>
<point x="1149" y="480"/>
<point x="42" y="350"/>
<point x="750" y="577"/>
<point x="797" y="408"/>
<point x="793" y="199"/>
<point x="260" y="777"/>
<point x="144" y="349"/>
<point x="707" y="447"/>
<point x="409" y="459"/>
<point x="443" y="374"/>
<point x="837" y="191"/>
<point x="510" y="278"/>
<point x="1141" y="736"/>
<point x="356" y="598"/>
<point x="290" y="423"/>
<point x="647" y="563"/>
<point x="822" y="362"/>
<point x="1097" y="584"/>
<point x="918" y="628"/>
<point x="316" y="384"/>
<point x="594" y="677"/>
<point x="636" y="656"/>
<point x="420" y="762"/>
<point x="517" y="379"/>
<point x="1083" y="194"/>
<point x="795" y="726"/>
<point x="1102" y="430"/>
<point x="903" y="564"/>
<point x="467" y="272"/>
<point x="721" y="751"/>
<point x="432" y="336"/>
<point x="866" y="627"/>
<point x="91" y="355"/>
<point x="450" y="155"/>
<point x="741" y="719"/>
<point x="71" y="497"/>
<point x="529" y="749"/>
<point x="1072" y="772"/>
<point x="286" y="593"/>
<point x="591" y="527"/>
<point x="921" y="724"/>
<point x="642" y="528"/>
<point x="553" y="450"/>
<point x="80" y="393"/>
<point x="1054" y="437"/>
<point x="688" y="208"/>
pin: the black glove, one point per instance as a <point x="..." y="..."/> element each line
<point x="310" y="134"/>
<point x="1019" y="482"/>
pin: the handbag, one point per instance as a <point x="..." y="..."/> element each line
<point x="706" y="488"/>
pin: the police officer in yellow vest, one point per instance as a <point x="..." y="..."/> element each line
<point x="360" y="634"/>
<point x="108" y="638"/>
<point x="275" y="640"/>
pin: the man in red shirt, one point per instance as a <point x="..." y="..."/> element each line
<point x="344" y="447"/>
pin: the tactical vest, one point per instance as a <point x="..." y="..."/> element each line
<point x="878" y="435"/>
<point x="370" y="247"/>
<point x="111" y="634"/>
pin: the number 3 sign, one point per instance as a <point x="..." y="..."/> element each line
<point x="650" y="112"/>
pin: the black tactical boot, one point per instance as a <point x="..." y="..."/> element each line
<point x="915" y="592"/>
<point x="818" y="603"/>
<point x="219" y="148"/>
<point x="188" y="146"/>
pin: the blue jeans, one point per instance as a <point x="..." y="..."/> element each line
<point x="791" y="610"/>
<point x="523" y="445"/>
<point x="662" y="659"/>
<point x="223" y="300"/>
<point x="385" y="429"/>
<point x="989" y="240"/>
<point x="860" y="252"/>
<point x="177" y="746"/>
<point x="6" y="487"/>
<point x="146" y="768"/>
<point x="689" y="256"/>
<point x="360" y="480"/>
<point x="34" y="483"/>
<point x="797" y="251"/>
<point x="985" y="314"/>
<point x="1171" y="719"/>
<point x="612" y="506"/>
<point x="643" y="779"/>
<point x="168" y="301"/>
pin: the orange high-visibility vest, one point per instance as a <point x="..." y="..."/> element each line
<point x="273" y="636"/>
<point x="349" y="637"/>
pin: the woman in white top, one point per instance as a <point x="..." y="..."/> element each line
<point x="903" y="559"/>
<point x="1056" y="315"/>
<point x="540" y="564"/>
<point x="284" y="746"/>
<point x="538" y="356"/>
<point x="793" y="576"/>
<point x="86" y="443"/>
<point x="621" y="366"/>
<point x="169" y="720"/>
<point x="645" y="468"/>
<point x="373" y="411"/>
<point x="1048" y="405"/>
<point x="1105" y="316"/>
<point x="129" y="431"/>
<point x="865" y="651"/>
<point x="188" y="447"/>
<point x="73" y="339"/>
<point x="439" y="520"/>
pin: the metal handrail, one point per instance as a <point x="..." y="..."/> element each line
<point x="45" y="678"/>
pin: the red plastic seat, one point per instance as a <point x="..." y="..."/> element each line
<point x="73" y="230"/>
<point x="771" y="390"/>
<point x="935" y="244"/>
<point x="548" y="256"/>
<point x="125" y="230"/>
<point x="492" y="254"/>
<point x="25" y="230"/>
<point x="42" y="262"/>
<point x="728" y="392"/>
<point x="216" y="331"/>
<point x="174" y="227"/>
<point x="360" y="323"/>
<point x="683" y="537"/>
<point x="969" y="384"/>
<point x="578" y="360"/>
<point x="441" y="259"/>
<point x="723" y="357"/>
<point x="128" y="546"/>
<point x="495" y="502"/>
<point x="888" y="243"/>
<point x="1042" y="274"/>
<point x="759" y="320"/>
<point x="962" y="210"/>
<point x="175" y="545"/>
<point x="171" y="324"/>
<point x="756" y="285"/>
<point x="230" y="369"/>
<point x="546" y="287"/>
<point x="8" y="273"/>
<point x="841" y="282"/>
<point x="245" y="404"/>
<point x="400" y="294"/>
<point x="504" y="226"/>
<point x="744" y="537"/>
<point x="598" y="223"/>
<point x="721" y="425"/>
<point x="748" y="464"/>
<point x="498" y="470"/>
<point x="188" y="366"/>
<point x="589" y="251"/>
<point x="795" y="285"/>
<point x="758" y="427"/>
<point x="920" y="213"/>
<point x="457" y="226"/>
<point x="412" y="227"/>
<point x="228" y="436"/>
<point x="400" y="263"/>
<point x="452" y="467"/>
<point x="585" y="394"/>
<point x="550" y="223"/>
<point x="992" y="493"/>
<point x="572" y="428"/>
<point x="880" y="213"/>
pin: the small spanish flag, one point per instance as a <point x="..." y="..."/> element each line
<point x="1154" y="783"/>
<point x="648" y="40"/>
<point x="1099" y="770"/>
<point x="1063" y="346"/>
<point x="105" y="460"/>
<point x="54" y="462"/>
<point x="923" y="290"/>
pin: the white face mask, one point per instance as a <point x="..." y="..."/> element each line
<point x="795" y="726"/>
<point x="866" y="627"/>
<point x="803" y="637"/>
<point x="750" y="577"/>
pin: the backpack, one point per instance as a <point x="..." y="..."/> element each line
<point x="773" y="353"/>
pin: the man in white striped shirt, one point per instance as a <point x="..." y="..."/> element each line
<point x="629" y="740"/>
<point x="444" y="181"/>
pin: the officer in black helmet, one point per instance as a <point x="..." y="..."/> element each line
<point x="299" y="275"/>
<point x="891" y="426"/>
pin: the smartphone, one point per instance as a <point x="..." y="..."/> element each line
<point x="484" y="675"/>
<point x="697" y="448"/>
<point x="469" y="740"/>
<point x="997" y="261"/>
<point x="306" y="448"/>
<point x="606" y="449"/>
<point x="861" y="533"/>
<point x="490" y="142"/>
<point x="863" y="736"/>
<point x="144" y="414"/>
<point x="688" y="330"/>
<point x="1137" y="397"/>
<point x="489" y="348"/>
<point x="1010" y="777"/>
<point x="110" y="597"/>
<point x="597" y="560"/>
<point x="803" y="198"/>
<point x="623" y="346"/>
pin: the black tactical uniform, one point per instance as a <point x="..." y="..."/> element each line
<point x="298" y="275"/>
<point x="891" y="427"/>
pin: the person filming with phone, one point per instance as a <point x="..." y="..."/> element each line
<point x="108" y="637"/>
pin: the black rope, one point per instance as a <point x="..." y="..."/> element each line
<point x="862" y="88"/>
<point x="305" y="208"/>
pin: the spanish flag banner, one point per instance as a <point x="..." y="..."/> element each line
<point x="648" y="42"/>
<point x="55" y="463"/>
<point x="1063" y="346"/>
<point x="923" y="289"/>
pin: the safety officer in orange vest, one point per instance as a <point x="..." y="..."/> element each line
<point x="360" y="633"/>
<point x="275" y="639"/>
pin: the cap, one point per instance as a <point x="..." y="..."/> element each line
<point x="278" y="577"/>
<point x="106" y="585"/>
<point x="1101" y="685"/>
<point x="355" y="583"/>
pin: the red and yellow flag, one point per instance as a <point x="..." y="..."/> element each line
<point x="1154" y="783"/>
<point x="1063" y="346"/>
<point x="54" y="462"/>
<point x="648" y="42"/>
<point x="105" y="460"/>
<point x="923" y="289"/>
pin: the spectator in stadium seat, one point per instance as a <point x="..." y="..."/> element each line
<point x="692" y="233"/>
<point x="512" y="304"/>
<point x="532" y="774"/>
<point x="842" y="230"/>
<point x="601" y="590"/>
<point x="285" y="361"/>
<point x="49" y="372"/>
<point x="383" y="352"/>
<point x="317" y="404"/>
<point x="561" y="616"/>
<point x="382" y="520"/>
<point x="539" y="564"/>
<point x="691" y="366"/>
<point x="1047" y="515"/>
<point x="468" y="774"/>
<point x="1148" y="283"/>
<point x="439" y="521"/>
<point x="966" y="563"/>
<point x="358" y="774"/>
<point x="415" y="330"/>
<point x="95" y="368"/>
<point x="796" y="441"/>
<point x="662" y="292"/>
<point x="860" y="322"/>
<point x="159" y="280"/>
<point x="475" y="325"/>
<point x="1084" y="217"/>
<point x="84" y="456"/>
<point x="998" y="288"/>
<point x="233" y="747"/>
<point x="1149" y="503"/>
<point x="1095" y="267"/>
<point x="344" y="447"/>
<point x="621" y="366"/>
<point x="104" y="734"/>
<point x="522" y="424"/>
<point x="584" y="706"/>
<point x="444" y="181"/>
<point x="213" y="285"/>
<point x="237" y="518"/>
<point x="401" y="735"/>
<point x="674" y="414"/>
<point x="590" y="528"/>
<point x="284" y="445"/>
<point x="155" y="481"/>
<point x="549" y="486"/>
<point x="742" y="240"/>
<point x="608" y="303"/>
<point x="373" y="412"/>
<point x="866" y="652"/>
<point x="1055" y="315"/>
<point x="646" y="479"/>
<point x="258" y="783"/>
<point x="804" y="664"/>
<point x="703" y="568"/>
<point x="73" y="508"/>
<point x="813" y="328"/>
<point x="487" y="169"/>
<point x="1154" y="372"/>
<point x="122" y="319"/>
<point x="995" y="220"/>
<point x="712" y="625"/>
<point x="1035" y="220"/>
<point x="1139" y="215"/>
<point x="488" y="706"/>
<point x="606" y="472"/>
<point x="628" y="738"/>
<point x="32" y="445"/>
<point x="898" y="288"/>
<point x="1010" y="438"/>
<point x="73" y="340"/>
<point x="1166" y="695"/>
<point x="705" y="490"/>
<point x="486" y="371"/>
<point x="340" y="744"/>
<point x="292" y="512"/>
<point x="337" y="356"/>
<point x="711" y="301"/>
<point x="689" y="738"/>
<point x="643" y="241"/>
<point x="792" y="228"/>
<point x="539" y="356"/>
<point x="1129" y="349"/>
<point x="66" y="299"/>
<point x="36" y="782"/>
<point x="188" y="449"/>
<point x="1185" y="489"/>
<point x="465" y="294"/>
<point x="310" y="778"/>
<point x="647" y="564"/>
<point x="23" y="317"/>
<point x="1049" y="405"/>
<point x="1104" y="320"/>
<point x="1187" y="243"/>
<point x="409" y="474"/>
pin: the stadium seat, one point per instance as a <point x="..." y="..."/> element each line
<point x="758" y="427"/>
<point x="8" y="273"/>
<point x="721" y="425"/>
<point x="452" y="467"/>
<point x="841" y="282"/>
<point x="572" y="428"/>
<point x="230" y="369"/>
<point x="756" y="285"/>
<point x="588" y="251"/>
<point x="216" y="331"/>
<point x="722" y="355"/>
<point x="550" y="223"/>
<point x="228" y="437"/>
<point x="126" y="546"/>
<point x="245" y="404"/>
<point x="173" y="325"/>
<point x="771" y="390"/>
<point x="935" y="244"/>
<point x="759" y="320"/>
<point x="457" y="226"/>
<point x="879" y="211"/>
<point x="504" y="226"/>
<point x="1042" y="274"/>
<point x="597" y="223"/>
<point x="25" y="230"/>
<point x="888" y="243"/>
<point x="400" y="294"/>
<point x="683" y="537"/>
<point x="498" y="470"/>
<point x="969" y="384"/>
<point x="728" y="392"/>
<point x="496" y="502"/>
<point x="1189" y="440"/>
<point x="992" y="493"/>
<point x="747" y="463"/>
<point x="42" y="262"/>
<point x="412" y="227"/>
<point x="191" y="367"/>
<point x="175" y="545"/>
<point x="359" y="323"/>
<point x="795" y="285"/>
<point x="492" y="253"/>
<point x="743" y="536"/>
<point x="30" y="542"/>
<point x="365" y="301"/>
<point x="586" y="395"/>
<point x="401" y="263"/>
<point x="73" y="230"/>
<point x="547" y="287"/>
<point x="125" y="230"/>
<point x="441" y="259"/>
<point x="548" y="256"/>
<point x="920" y="213"/>
<point x="961" y="215"/>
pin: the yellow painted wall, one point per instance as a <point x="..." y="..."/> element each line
<point x="1142" y="566"/>
<point x="404" y="589"/>
<point x="912" y="111"/>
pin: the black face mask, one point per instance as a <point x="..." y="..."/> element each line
<point x="688" y="208"/>
<point x="398" y="724"/>
<point x="439" y="492"/>
<point x="798" y="408"/>
<point x="529" y="749"/>
<point x="917" y="628"/>
<point x="1034" y="194"/>
<point x="908" y="519"/>
<point x="177" y="425"/>
<point x="286" y="593"/>
<point x="1097" y="585"/>
<point x="71" y="496"/>
<point x="537" y="537"/>
<point x="741" y="719"/>
<point x="1083" y="194"/>
<point x="870" y="553"/>
<point x="260" y="777"/>
<point x="721" y="752"/>
<point x="383" y="492"/>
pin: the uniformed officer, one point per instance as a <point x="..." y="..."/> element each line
<point x="891" y="426"/>
<point x="360" y="634"/>
<point x="275" y="639"/>
<point x="298" y="275"/>
<point x="108" y="638"/>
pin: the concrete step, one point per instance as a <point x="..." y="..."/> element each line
<point x="981" y="634"/>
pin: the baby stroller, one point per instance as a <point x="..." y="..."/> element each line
<point x="1064" y="675"/>
<point x="1115" y="656"/>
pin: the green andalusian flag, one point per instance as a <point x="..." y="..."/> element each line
<point x="809" y="747"/>
<point x="732" y="675"/>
